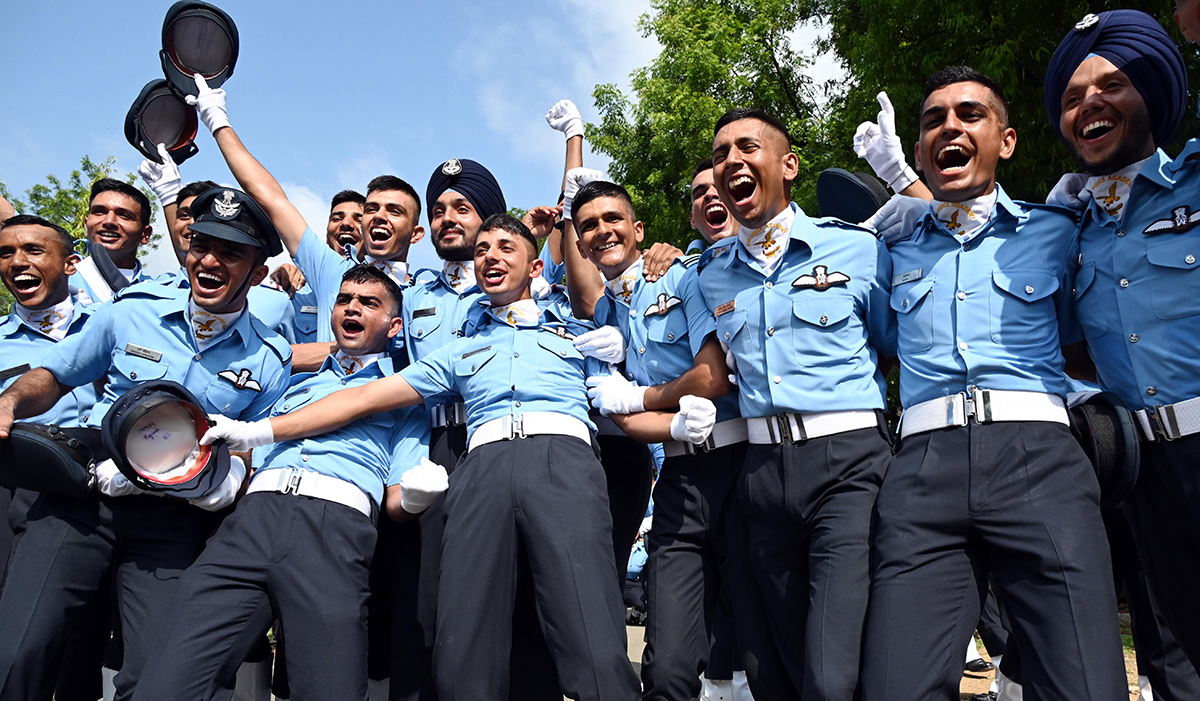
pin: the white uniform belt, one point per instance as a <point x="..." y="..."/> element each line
<point x="452" y="414"/>
<point x="801" y="427"/>
<point x="1170" y="421"/>
<point x="723" y="434"/>
<point x="530" y="423"/>
<point x="986" y="405"/>
<point x="306" y="483"/>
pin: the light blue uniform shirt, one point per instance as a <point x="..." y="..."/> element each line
<point x="665" y="324"/>
<point x="986" y="312"/>
<point x="801" y="348"/>
<point x="500" y="370"/>
<point x="145" y="334"/>
<point x="22" y="348"/>
<point x="323" y="269"/>
<point x="370" y="453"/>
<point x="304" y="306"/>
<point x="552" y="272"/>
<point x="80" y="286"/>
<point x="434" y="314"/>
<point x="1137" y="292"/>
<point x="270" y="305"/>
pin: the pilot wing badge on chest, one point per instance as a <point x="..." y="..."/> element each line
<point x="662" y="305"/>
<point x="1182" y="219"/>
<point x="821" y="279"/>
<point x="240" y="379"/>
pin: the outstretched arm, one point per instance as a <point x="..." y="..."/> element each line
<point x="341" y="408"/>
<point x="36" y="392"/>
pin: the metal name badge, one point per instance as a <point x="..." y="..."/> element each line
<point x="477" y="351"/>
<point x="143" y="352"/>
<point x="308" y="309"/>
<point x="907" y="277"/>
<point x="725" y="308"/>
<point x="428" y="311"/>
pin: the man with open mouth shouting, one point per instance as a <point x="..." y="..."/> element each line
<point x="200" y="337"/>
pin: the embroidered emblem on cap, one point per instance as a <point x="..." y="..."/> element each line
<point x="1182" y="219"/>
<point x="821" y="279"/>
<point x="241" y="379"/>
<point x="1088" y="21"/>
<point x="452" y="167"/>
<point x="663" y="305"/>
<point x="225" y="207"/>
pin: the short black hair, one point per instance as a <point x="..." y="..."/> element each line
<point x="111" y="185"/>
<point x="965" y="74"/>
<point x="391" y="182"/>
<point x="601" y="188"/>
<point x="737" y="114"/>
<point x="61" y="234"/>
<point x="706" y="164"/>
<point x="507" y="222"/>
<point x="364" y="273"/>
<point x="193" y="189"/>
<point x="350" y="196"/>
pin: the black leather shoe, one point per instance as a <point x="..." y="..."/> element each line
<point x="979" y="665"/>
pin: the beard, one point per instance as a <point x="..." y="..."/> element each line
<point x="458" y="252"/>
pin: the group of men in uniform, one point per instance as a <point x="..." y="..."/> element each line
<point x="422" y="451"/>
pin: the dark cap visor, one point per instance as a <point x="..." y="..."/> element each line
<point x="228" y="232"/>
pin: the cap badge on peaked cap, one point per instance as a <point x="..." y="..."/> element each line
<point x="225" y="207"/>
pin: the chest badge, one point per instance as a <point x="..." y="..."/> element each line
<point x="821" y="279"/>
<point x="664" y="304"/>
<point x="241" y="379"/>
<point x="560" y="331"/>
<point x="1182" y="219"/>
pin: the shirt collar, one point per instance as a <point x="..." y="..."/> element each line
<point x="800" y="226"/>
<point x="622" y="287"/>
<point x="1005" y="206"/>
<point x="382" y="366"/>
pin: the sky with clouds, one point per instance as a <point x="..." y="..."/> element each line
<point x="326" y="95"/>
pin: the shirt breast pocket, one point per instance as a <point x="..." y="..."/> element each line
<point x="1173" y="287"/>
<point x="1087" y="303"/>
<point x="422" y="327"/>
<point x="1022" y="307"/>
<point x="829" y="312"/>
<point x="913" y="304"/>
<point x="562" y="347"/>
<point x="667" y="328"/>
<point x="306" y="322"/>
<point x="729" y="329"/>
<point x="137" y="368"/>
<point x="227" y="399"/>
<point x="293" y="402"/>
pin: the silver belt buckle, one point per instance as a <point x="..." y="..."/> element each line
<point x="513" y="427"/>
<point x="1163" y="422"/>
<point x="456" y="414"/>
<point x="292" y="486"/>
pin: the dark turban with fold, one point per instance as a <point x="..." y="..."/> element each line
<point x="1139" y="47"/>
<point x="469" y="179"/>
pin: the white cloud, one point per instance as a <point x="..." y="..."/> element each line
<point x="355" y="173"/>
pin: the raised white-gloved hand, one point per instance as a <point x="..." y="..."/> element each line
<point x="897" y="218"/>
<point x="1069" y="191"/>
<point x="210" y="105"/>
<point x="605" y="343"/>
<point x="421" y="485"/>
<point x="695" y="420"/>
<point x="564" y="116"/>
<point x="881" y="147"/>
<point x="613" y="394"/>
<point x="163" y="179"/>
<point x="224" y="493"/>
<point x="577" y="178"/>
<point x="110" y="481"/>
<point x="730" y="362"/>
<point x="239" y="435"/>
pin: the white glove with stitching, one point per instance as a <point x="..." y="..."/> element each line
<point x="239" y="435"/>
<point x="110" y="481"/>
<point x="613" y="394"/>
<point x="224" y="493"/>
<point x="421" y="485"/>
<point x="1069" y="191"/>
<point x="605" y="343"/>
<point x="163" y="179"/>
<point x="881" y="147"/>
<point x="695" y="420"/>
<point x="897" y="218"/>
<point x="577" y="178"/>
<point x="564" y="116"/>
<point x="210" y="105"/>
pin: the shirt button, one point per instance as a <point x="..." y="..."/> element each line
<point x="420" y="331"/>
<point x="1133" y="338"/>
<point x="1029" y="289"/>
<point x="1124" y="282"/>
<point x="770" y="331"/>
<point x="632" y="312"/>
<point x="966" y="246"/>
<point x="517" y="403"/>
<point x="516" y="355"/>
<point x="563" y="353"/>
<point x="454" y="331"/>
<point x="1151" y="391"/>
<point x="961" y="295"/>
<point x="226" y="407"/>
<point x="1189" y="259"/>
<point x="304" y="458"/>
<point x="472" y="368"/>
<point x="777" y="379"/>
<point x="1120" y="232"/>
<point x="85" y="418"/>
<point x="286" y="407"/>
<point x="824" y="319"/>
<point x="197" y="356"/>
<point x="630" y="375"/>
<point x="904" y="303"/>
<point x="770" y="285"/>
<point x="962" y="345"/>
<point x="133" y="375"/>
<point x="670" y="337"/>
<point x="642" y="350"/>
<point x="726" y="336"/>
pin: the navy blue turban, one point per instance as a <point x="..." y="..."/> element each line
<point x="469" y="179"/>
<point x="1139" y="47"/>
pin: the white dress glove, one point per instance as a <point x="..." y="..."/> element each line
<point x="210" y="104"/>
<point x="110" y="481"/>
<point x="564" y="116"/>
<point x="421" y="485"/>
<point x="695" y="420"/>
<point x="163" y="179"/>
<point x="224" y="493"/>
<point x="1069" y="191"/>
<point x="881" y="147"/>
<point x="239" y="435"/>
<point x="897" y="218"/>
<point x="730" y="362"/>
<point x="613" y="394"/>
<point x="577" y="178"/>
<point x="605" y="343"/>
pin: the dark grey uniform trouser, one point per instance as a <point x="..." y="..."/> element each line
<point x="548" y="494"/>
<point x="1018" y="500"/>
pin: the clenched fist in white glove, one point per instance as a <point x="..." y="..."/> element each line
<point x="564" y="116"/>
<point x="224" y="493"/>
<point x="239" y="435"/>
<point x="421" y="485"/>
<point x="163" y="179"/>
<point x="613" y="394"/>
<point x="695" y="420"/>
<point x="881" y="147"/>
<point x="110" y="481"/>
<point x="577" y="178"/>
<point x="897" y="218"/>
<point x="605" y="343"/>
<point x="210" y="105"/>
<point x="1069" y="191"/>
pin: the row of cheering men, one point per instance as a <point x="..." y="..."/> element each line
<point x="853" y="568"/>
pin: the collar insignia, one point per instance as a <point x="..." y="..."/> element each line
<point x="224" y="207"/>
<point x="1182" y="219"/>
<point x="663" y="305"/>
<point x="241" y="379"/>
<point x="821" y="279"/>
<point x="452" y="167"/>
